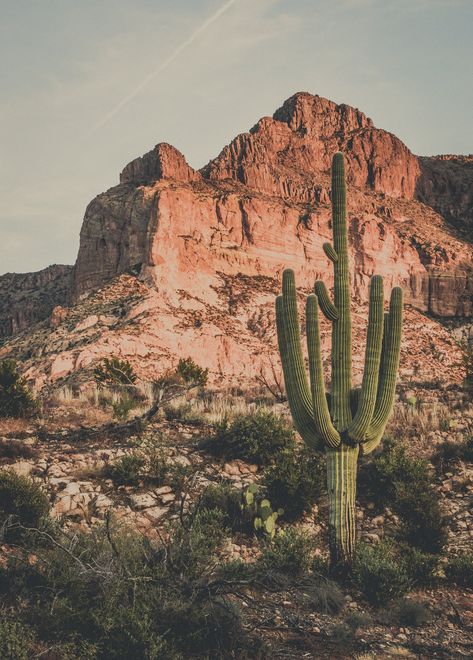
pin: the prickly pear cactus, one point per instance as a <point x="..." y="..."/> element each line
<point x="348" y="420"/>
<point x="264" y="518"/>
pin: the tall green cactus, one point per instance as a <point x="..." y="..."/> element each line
<point x="347" y="420"/>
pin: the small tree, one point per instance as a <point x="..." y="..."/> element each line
<point x="113" y="371"/>
<point x="16" y="399"/>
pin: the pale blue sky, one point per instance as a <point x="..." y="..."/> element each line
<point x="67" y="67"/>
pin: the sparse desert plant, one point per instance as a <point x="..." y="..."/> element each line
<point x="395" y="479"/>
<point x="113" y="371"/>
<point x="226" y="498"/>
<point x="379" y="574"/>
<point x="22" y="504"/>
<point x="190" y="372"/>
<point x="290" y="552"/>
<point x="420" y="566"/>
<point x="295" y="481"/>
<point x="258" y="438"/>
<point x="14" y="449"/>
<point x="16" y="399"/>
<point x="321" y="594"/>
<point x="349" y="418"/>
<point x="460" y="570"/>
<point x="127" y="469"/>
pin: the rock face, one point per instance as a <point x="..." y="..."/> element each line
<point x="30" y="297"/>
<point x="264" y="204"/>
<point x="202" y="252"/>
<point x="446" y="184"/>
<point x="285" y="155"/>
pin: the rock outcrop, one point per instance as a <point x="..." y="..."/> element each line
<point x="27" y="298"/>
<point x="203" y="251"/>
<point x="264" y="204"/>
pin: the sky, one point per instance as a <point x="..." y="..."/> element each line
<point x="88" y="86"/>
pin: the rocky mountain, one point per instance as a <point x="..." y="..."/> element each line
<point x="206" y="248"/>
<point x="30" y="297"/>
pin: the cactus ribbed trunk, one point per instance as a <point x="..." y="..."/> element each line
<point x="341" y="487"/>
<point x="350" y="420"/>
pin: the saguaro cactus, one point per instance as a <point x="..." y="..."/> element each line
<point x="347" y="420"/>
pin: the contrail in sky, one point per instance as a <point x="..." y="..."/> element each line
<point x="163" y="65"/>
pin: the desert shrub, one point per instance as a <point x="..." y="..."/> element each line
<point x="420" y="566"/>
<point x="391" y="470"/>
<point x="378" y="574"/>
<point x="295" y="481"/>
<point x="113" y="371"/>
<point x="190" y="372"/>
<point x="460" y="570"/>
<point x="450" y="452"/>
<point x="404" y="483"/>
<point x="259" y="438"/>
<point x="15" y="398"/>
<point x="422" y="523"/>
<point x="321" y="594"/>
<point x="411" y="613"/>
<point x="122" y="408"/>
<point x="22" y="503"/>
<point x="127" y="469"/>
<point x="290" y="553"/>
<point x="225" y="498"/>
<point x="110" y="595"/>
<point x="15" y="640"/>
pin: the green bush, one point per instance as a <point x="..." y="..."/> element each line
<point x="394" y="479"/>
<point x="15" y="398"/>
<point x="258" y="438"/>
<point x="127" y="469"/>
<point x="460" y="570"/>
<point x="109" y="595"/>
<point x="113" y="371"/>
<point x="15" y="640"/>
<point x="420" y="566"/>
<point x="191" y="373"/>
<point x="225" y="498"/>
<point x="289" y="553"/>
<point x="295" y="481"/>
<point x="378" y="574"/>
<point x="22" y="503"/>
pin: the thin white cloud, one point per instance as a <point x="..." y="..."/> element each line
<point x="174" y="55"/>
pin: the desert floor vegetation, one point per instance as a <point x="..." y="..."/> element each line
<point x="201" y="532"/>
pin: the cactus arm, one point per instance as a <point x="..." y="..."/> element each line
<point x="374" y="341"/>
<point x="341" y="334"/>
<point x="328" y="308"/>
<point x="295" y="379"/>
<point x="330" y="252"/>
<point x="323" y="423"/>
<point x="388" y="372"/>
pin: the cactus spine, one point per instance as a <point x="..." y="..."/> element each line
<point x="348" y="420"/>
